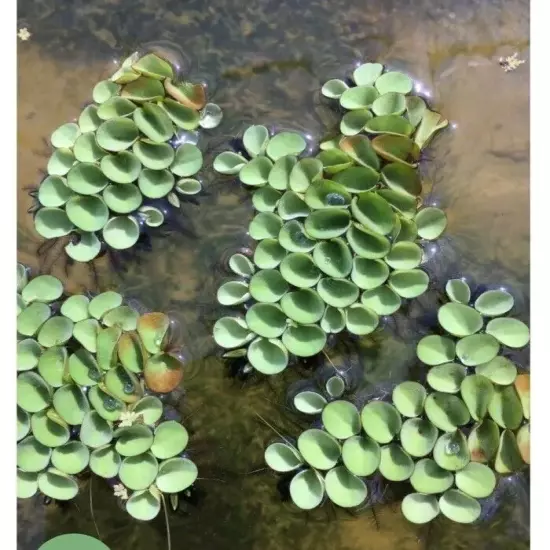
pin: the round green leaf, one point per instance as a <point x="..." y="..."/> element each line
<point x="459" y="319"/>
<point x="303" y="306"/>
<point x="382" y="300"/>
<point x="477" y="349"/>
<point x="138" y="472"/>
<point x="395" y="463"/>
<point x="304" y="340"/>
<point x="459" y="507"/>
<point x="267" y="356"/>
<point x="307" y="489"/>
<point x="451" y="451"/>
<point x="509" y="332"/>
<point x="344" y="488"/>
<point x="418" y="436"/>
<point x="341" y="419"/>
<point x="176" y="475"/>
<point x="381" y="421"/>
<point x="282" y="457"/>
<point x="458" y="291"/>
<point x="319" y="449"/>
<point x="57" y="485"/>
<point x="420" y="508"/>
<point x="447" y="377"/>
<point x="121" y="232"/>
<point x="435" y="350"/>
<point x="429" y="478"/>
<point x="361" y="455"/>
<point x="431" y="223"/>
<point x="446" y="411"/>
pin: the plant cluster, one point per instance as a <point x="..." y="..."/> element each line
<point x="108" y="168"/>
<point x="448" y="439"/>
<point x="339" y="234"/>
<point x="88" y="372"/>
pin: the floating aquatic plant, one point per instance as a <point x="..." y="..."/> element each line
<point x="339" y="235"/>
<point x="89" y="371"/>
<point x="122" y="154"/>
<point x="451" y="440"/>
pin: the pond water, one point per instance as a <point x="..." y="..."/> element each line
<point x="264" y="62"/>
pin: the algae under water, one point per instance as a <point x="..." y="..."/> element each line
<point x="265" y="64"/>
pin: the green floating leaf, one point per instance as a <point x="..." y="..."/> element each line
<point x="88" y="213"/>
<point x="156" y="156"/>
<point x="95" y="431"/>
<point x="51" y="432"/>
<point x="121" y="232"/>
<point x="122" y="199"/>
<point x="269" y="253"/>
<point x="324" y="194"/>
<point x="88" y="121"/>
<point x="303" y="173"/>
<point x="459" y="319"/>
<point x="23" y="423"/>
<point x="459" y="507"/>
<point x="499" y="370"/>
<point x="105" y="462"/>
<point x="299" y="270"/>
<point x="429" y="478"/>
<point x="418" y="437"/>
<point x="153" y="66"/>
<point x="402" y="178"/>
<point x="279" y="177"/>
<point x="333" y="258"/>
<point x="153" y="217"/>
<point x="143" y="89"/>
<point x="229" y="163"/>
<point x="360" y="149"/>
<point x="104" y="90"/>
<point x="88" y="247"/>
<point x="71" y="458"/>
<point x="307" y="489"/>
<point x="188" y="94"/>
<point x="395" y="463"/>
<point x="345" y="489"/>
<point x="373" y="212"/>
<point x="476" y="480"/>
<point x="369" y="274"/>
<point x="33" y="394"/>
<point x="138" y="472"/>
<point x="334" y="160"/>
<point x="358" y="179"/>
<point x="381" y="421"/>
<point x="341" y="419"/>
<point x="451" y="451"/>
<point x="409" y="283"/>
<point x="266" y="199"/>
<point x="255" y="140"/>
<point x="354" y="122"/>
<point x="367" y="74"/>
<point x="86" y="148"/>
<point x="304" y="340"/>
<point x="403" y="204"/>
<point x="27" y="484"/>
<point x="360" y="97"/>
<point x="267" y="320"/>
<point x="445" y="411"/>
<point x="446" y="378"/>
<point x="477" y="392"/>
<point x="71" y="404"/>
<point x="143" y="505"/>
<point x="171" y="438"/>
<point x="65" y="135"/>
<point x="155" y="184"/>
<point x="85" y="332"/>
<point x="430" y="124"/>
<point x="309" y="402"/>
<point x="505" y="407"/>
<point x="115" y="107"/>
<point x="431" y="223"/>
<point x="319" y="449"/>
<point x="268" y="285"/>
<point x="107" y="406"/>
<point x="416" y="108"/>
<point x="267" y="356"/>
<point x="382" y="300"/>
<point x="483" y="441"/>
<point x="509" y="332"/>
<point x="265" y="225"/>
<point x="367" y="244"/>
<point x="523" y="388"/>
<point x="32" y="456"/>
<point x="404" y="255"/>
<point x="285" y="143"/>
<point x="458" y="291"/>
<point x="394" y="81"/>
<point x="390" y="103"/>
<point x="60" y="162"/>
<point x="150" y="408"/>
<point x="388" y="123"/>
<point x="282" y="457"/>
<point x="494" y="303"/>
<point x="334" y="88"/>
<point x="291" y="205"/>
<point x="523" y="440"/>
<point x="241" y="265"/>
<point x="334" y="320"/>
<point x="124" y="167"/>
<point x="28" y="354"/>
<point x="361" y="455"/>
<point x="477" y="349"/>
<point x="360" y="319"/>
<point x="303" y="306"/>
<point x="327" y="223"/>
<point x="293" y="237"/>
<point x="231" y="332"/>
<point x="117" y="134"/>
<point x="408" y="398"/>
<point x="420" y="508"/>
<point x="176" y="475"/>
<point x="256" y="172"/>
<point x="233" y="293"/>
<point x="57" y="485"/>
<point x="153" y="329"/>
<point x="396" y="149"/>
<point x="335" y="386"/>
<point x="508" y="458"/>
<point x="337" y="293"/>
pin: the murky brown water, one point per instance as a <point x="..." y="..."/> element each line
<point x="268" y="60"/>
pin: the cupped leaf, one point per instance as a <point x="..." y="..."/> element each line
<point x="303" y="173"/>
<point x="334" y="160"/>
<point x="265" y="225"/>
<point x="266" y="199"/>
<point x="188" y="94"/>
<point x="279" y="177"/>
<point x="71" y="404"/>
<point x="57" y="485"/>
<point x="367" y="74"/>
<point x="396" y="149"/>
<point x="335" y="386"/>
<point x="33" y="394"/>
<point x="150" y="408"/>
<point x="293" y="237"/>
<point x="229" y="163"/>
<point x="27" y="484"/>
<point x="359" y="97"/>
<point x="389" y="123"/>
<point x="267" y="356"/>
<point x="188" y="160"/>
<point x="394" y="81"/>
<point x="505" y="407"/>
<point x="341" y="419"/>
<point x="409" y="283"/>
<point x="307" y="489"/>
<point x="508" y="458"/>
<point x="71" y="458"/>
<point x="309" y="402"/>
<point x="325" y="194"/>
<point x="176" y="475"/>
<point x="459" y="319"/>
<point x="333" y="258"/>
<point x="83" y="368"/>
<point x="269" y="253"/>
<point x="88" y="121"/>
<point x="361" y="150"/>
<point x="451" y="451"/>
<point x="299" y="270"/>
<point x="337" y="292"/>
<point x="88" y="213"/>
<point x="382" y="300"/>
<point x="107" y="406"/>
<point x="420" y="508"/>
<point x="334" y="88"/>
<point x="28" y="354"/>
<point x="291" y="205"/>
<point x="509" y="332"/>
<point x="122" y="384"/>
<point x="304" y="340"/>
<point x="105" y="461"/>
<point x="143" y="505"/>
<point x="403" y="204"/>
<point x="446" y="411"/>
<point x="430" y="124"/>
<point x="418" y="436"/>
<point x="402" y="178"/>
<point x="285" y="143"/>
<point x="416" y="108"/>
<point x="44" y="288"/>
<point x="408" y="398"/>
<point x="483" y="441"/>
<point x="334" y="320"/>
<point x="369" y="274"/>
<point x="23" y="423"/>
<point x="344" y="488"/>
<point x="49" y="429"/>
<point x="155" y="184"/>
<point x="122" y="199"/>
<point x="358" y="179"/>
<point x="255" y="140"/>
<point x="256" y="172"/>
<point x="367" y="244"/>
<point x="267" y="320"/>
<point x="32" y="456"/>
<point x="303" y="306"/>
<point x="233" y="293"/>
<point x="319" y="449"/>
<point x="95" y="431"/>
<point x="60" y="162"/>
<point x="163" y="372"/>
<point x="458" y="291"/>
<point x="116" y="134"/>
<point x="476" y="480"/>
<point x="395" y="463"/>
<point x="133" y="440"/>
<point x="494" y="303"/>
<point x="153" y="66"/>
<point x="459" y="507"/>
<point x="54" y="192"/>
<point x="523" y="440"/>
<point x="268" y="285"/>
<point x="143" y="89"/>
<point x="361" y="320"/>
<point x="477" y="349"/>
<point x="431" y="223"/>
<point x="121" y="232"/>
<point x="390" y="103"/>
<point x="429" y="478"/>
<point x="156" y="156"/>
<point x="435" y="350"/>
<point x="231" y="332"/>
<point x="500" y="371"/>
<point x="85" y="332"/>
<point x="381" y="421"/>
<point x="282" y="457"/>
<point x="373" y="212"/>
<point x="447" y="377"/>
<point x="123" y="167"/>
<point x="404" y="255"/>
<point x="353" y="122"/>
<point x="361" y="455"/>
<point x="104" y="90"/>
<point x="138" y="472"/>
<point x="477" y="392"/>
